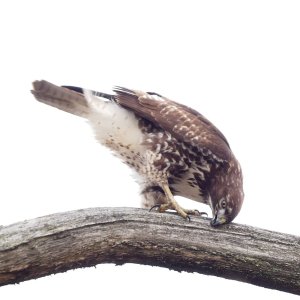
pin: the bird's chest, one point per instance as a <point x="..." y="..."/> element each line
<point x="132" y="156"/>
<point x="188" y="185"/>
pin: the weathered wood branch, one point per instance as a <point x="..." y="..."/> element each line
<point x="82" y="238"/>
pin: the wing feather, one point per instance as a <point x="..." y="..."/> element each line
<point x="183" y="122"/>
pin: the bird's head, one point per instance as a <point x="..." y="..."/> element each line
<point x="226" y="198"/>
<point x="225" y="209"/>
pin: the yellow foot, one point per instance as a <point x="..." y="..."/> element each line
<point x="172" y="204"/>
<point x="195" y="212"/>
<point x="184" y="213"/>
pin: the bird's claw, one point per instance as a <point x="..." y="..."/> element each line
<point x="185" y="213"/>
<point x="201" y="213"/>
<point x="155" y="206"/>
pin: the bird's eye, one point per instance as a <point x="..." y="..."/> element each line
<point x="223" y="203"/>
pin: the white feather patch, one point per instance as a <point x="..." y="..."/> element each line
<point x="113" y="125"/>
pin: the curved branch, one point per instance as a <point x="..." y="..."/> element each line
<point x="82" y="238"/>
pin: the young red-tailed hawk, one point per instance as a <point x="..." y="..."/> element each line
<point x="173" y="148"/>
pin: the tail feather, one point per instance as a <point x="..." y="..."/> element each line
<point x="94" y="93"/>
<point x="61" y="98"/>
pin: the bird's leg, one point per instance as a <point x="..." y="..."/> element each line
<point x="172" y="204"/>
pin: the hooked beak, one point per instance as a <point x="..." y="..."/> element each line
<point x="216" y="221"/>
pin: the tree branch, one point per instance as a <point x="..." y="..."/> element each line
<point x="59" y="242"/>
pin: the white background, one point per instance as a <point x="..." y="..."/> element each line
<point x="237" y="62"/>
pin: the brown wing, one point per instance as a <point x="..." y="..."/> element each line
<point x="184" y="123"/>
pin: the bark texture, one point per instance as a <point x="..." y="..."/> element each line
<point x="82" y="238"/>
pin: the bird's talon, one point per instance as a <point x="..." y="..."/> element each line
<point x="155" y="206"/>
<point x="202" y="213"/>
<point x="195" y="212"/>
<point x="185" y="213"/>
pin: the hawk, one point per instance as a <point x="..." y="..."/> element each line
<point x="173" y="149"/>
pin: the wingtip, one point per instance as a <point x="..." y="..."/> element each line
<point x="120" y="89"/>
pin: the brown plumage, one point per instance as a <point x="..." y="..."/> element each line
<point x="173" y="148"/>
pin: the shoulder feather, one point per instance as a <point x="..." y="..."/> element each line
<point x="183" y="122"/>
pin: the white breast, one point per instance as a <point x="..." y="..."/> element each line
<point x="186" y="189"/>
<point x="114" y="126"/>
